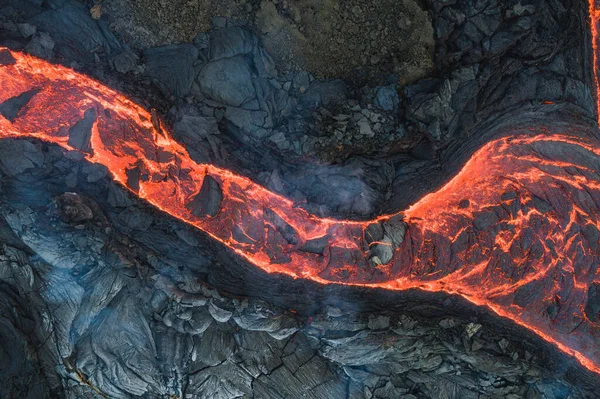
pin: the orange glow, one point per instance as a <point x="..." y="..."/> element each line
<point x="511" y="217"/>
<point x="594" y="12"/>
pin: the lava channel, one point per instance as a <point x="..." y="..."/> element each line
<point x="516" y="230"/>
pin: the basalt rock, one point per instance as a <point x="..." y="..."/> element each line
<point x="172" y="68"/>
<point x="102" y="295"/>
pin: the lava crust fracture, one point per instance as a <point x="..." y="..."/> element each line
<point x="516" y="230"/>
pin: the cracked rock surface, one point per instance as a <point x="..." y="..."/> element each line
<point x="101" y="296"/>
<point x="83" y="297"/>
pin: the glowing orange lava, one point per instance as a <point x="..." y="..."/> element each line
<point x="516" y="230"/>
<point x="594" y="12"/>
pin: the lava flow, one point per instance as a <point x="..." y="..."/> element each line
<point x="516" y="230"/>
<point x="594" y="12"/>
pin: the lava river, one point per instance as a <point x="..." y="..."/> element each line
<point x="516" y="230"/>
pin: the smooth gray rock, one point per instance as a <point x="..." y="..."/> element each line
<point x="227" y="81"/>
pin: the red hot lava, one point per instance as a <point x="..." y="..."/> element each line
<point x="594" y="12"/>
<point x="516" y="230"/>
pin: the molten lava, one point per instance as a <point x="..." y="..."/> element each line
<point x="594" y="11"/>
<point x="517" y="230"/>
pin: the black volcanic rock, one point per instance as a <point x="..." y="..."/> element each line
<point x="231" y="41"/>
<point x="81" y="132"/>
<point x="6" y="58"/>
<point x="11" y="107"/>
<point x="592" y="308"/>
<point x="326" y="93"/>
<point x="208" y="201"/>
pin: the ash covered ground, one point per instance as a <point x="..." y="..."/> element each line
<point x="349" y="108"/>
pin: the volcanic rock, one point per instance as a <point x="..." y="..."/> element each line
<point x="208" y="200"/>
<point x="592" y="308"/>
<point x="73" y="210"/>
<point x="316" y="246"/>
<point x="6" y="58"/>
<point x="17" y="156"/>
<point x="227" y="81"/>
<point x="231" y="41"/>
<point x="125" y="62"/>
<point x="71" y="24"/>
<point x="27" y="30"/>
<point x="81" y="132"/>
<point x="41" y="45"/>
<point x="11" y="107"/>
<point x="324" y="93"/>
<point x="386" y="98"/>
<point x="172" y="68"/>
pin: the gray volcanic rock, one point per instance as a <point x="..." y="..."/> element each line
<point x="41" y="45"/>
<point x="81" y="132"/>
<point x="73" y="209"/>
<point x="324" y="94"/>
<point x="208" y="200"/>
<point x="231" y="41"/>
<point x="11" y="107"/>
<point x="26" y="29"/>
<point x="227" y="81"/>
<point x="130" y="300"/>
<point x="18" y="156"/>
<point x="111" y="298"/>
<point x="70" y="23"/>
<point x="386" y="98"/>
<point x="172" y="68"/>
<point x="6" y="58"/>
<point x="125" y="62"/>
<point x="20" y="324"/>
<point x="475" y="39"/>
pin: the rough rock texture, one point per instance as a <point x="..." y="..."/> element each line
<point x="351" y="39"/>
<point x="103" y="296"/>
<point x="165" y="332"/>
<point x="131" y="302"/>
<point x="71" y="24"/>
<point x="172" y="67"/>
<point x="332" y="39"/>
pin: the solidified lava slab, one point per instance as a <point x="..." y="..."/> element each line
<point x="516" y="230"/>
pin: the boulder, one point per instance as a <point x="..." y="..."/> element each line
<point x="172" y="68"/>
<point x="227" y="81"/>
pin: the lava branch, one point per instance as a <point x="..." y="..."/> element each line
<point x="594" y="14"/>
<point x="516" y="230"/>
